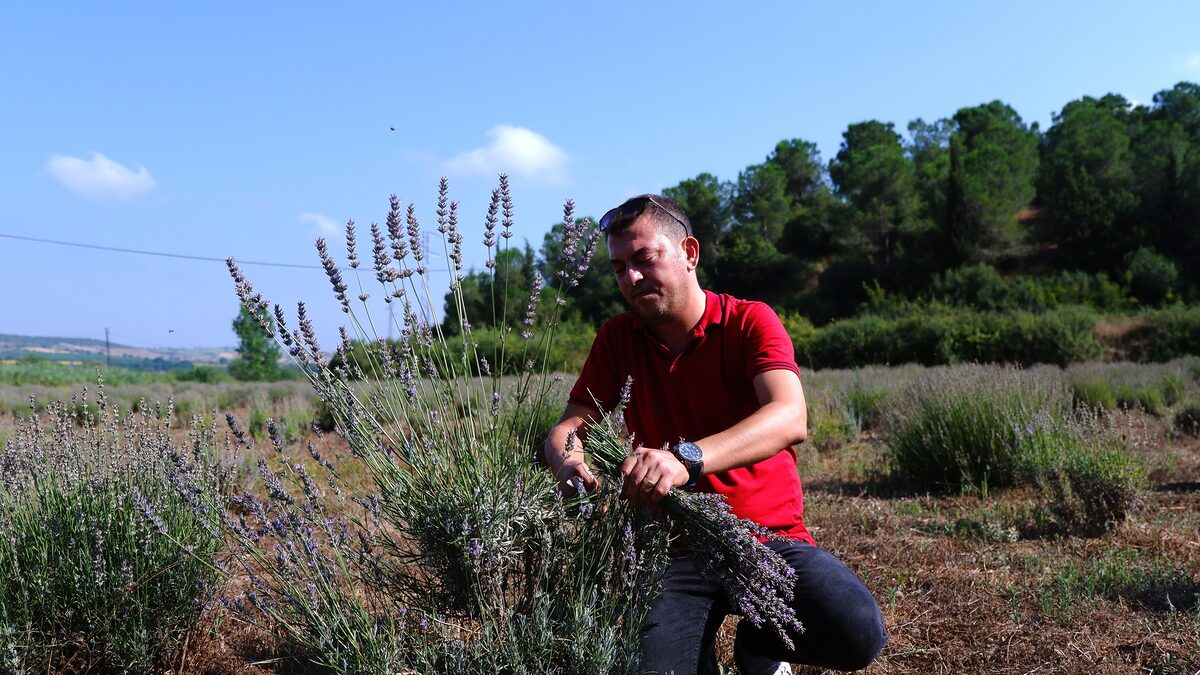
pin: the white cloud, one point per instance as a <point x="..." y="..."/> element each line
<point x="1193" y="63"/>
<point x="325" y="223"/>
<point x="100" y="177"/>
<point x="515" y="150"/>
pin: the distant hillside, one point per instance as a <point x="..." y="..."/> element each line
<point x="90" y="349"/>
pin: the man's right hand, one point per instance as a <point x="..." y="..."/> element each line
<point x="563" y="451"/>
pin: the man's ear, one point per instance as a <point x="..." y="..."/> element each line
<point x="691" y="251"/>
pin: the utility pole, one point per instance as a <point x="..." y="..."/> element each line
<point x="107" y="350"/>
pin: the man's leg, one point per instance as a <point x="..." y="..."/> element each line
<point x="679" y="632"/>
<point x="843" y="626"/>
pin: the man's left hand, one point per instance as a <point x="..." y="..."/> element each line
<point x="650" y="474"/>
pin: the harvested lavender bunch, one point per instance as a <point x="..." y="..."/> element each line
<point x="758" y="582"/>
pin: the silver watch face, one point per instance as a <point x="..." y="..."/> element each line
<point x="689" y="452"/>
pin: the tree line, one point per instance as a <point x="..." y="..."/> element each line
<point x="1108" y="197"/>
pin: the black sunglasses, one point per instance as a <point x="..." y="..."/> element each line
<point x="633" y="208"/>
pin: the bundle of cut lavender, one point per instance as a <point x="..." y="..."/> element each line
<point x="757" y="581"/>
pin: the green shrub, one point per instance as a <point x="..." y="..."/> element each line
<point x="1149" y="387"/>
<point x="1148" y="399"/>
<point x="257" y="424"/>
<point x="103" y="565"/>
<point x="854" y="342"/>
<point x="978" y="286"/>
<point x="952" y="428"/>
<point x="204" y="374"/>
<point x="1152" y="277"/>
<point x="981" y="288"/>
<point x="948" y="336"/>
<point x="1166" y="334"/>
<point x="861" y="404"/>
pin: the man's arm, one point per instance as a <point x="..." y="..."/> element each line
<point x="570" y="430"/>
<point x="780" y="421"/>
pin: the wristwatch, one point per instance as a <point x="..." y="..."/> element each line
<point x="693" y="458"/>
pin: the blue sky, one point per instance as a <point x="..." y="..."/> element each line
<point x="250" y="129"/>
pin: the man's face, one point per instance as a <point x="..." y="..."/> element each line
<point x="652" y="268"/>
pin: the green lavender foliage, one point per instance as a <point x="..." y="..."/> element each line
<point x="951" y="428"/>
<point x="103" y="564"/>
<point x="1087" y="471"/>
<point x="453" y="552"/>
<point x="976" y="428"/>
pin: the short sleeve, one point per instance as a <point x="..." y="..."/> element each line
<point x="766" y="345"/>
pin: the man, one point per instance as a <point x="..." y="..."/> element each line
<point x="716" y="383"/>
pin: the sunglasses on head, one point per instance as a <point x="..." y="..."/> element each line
<point x="635" y="207"/>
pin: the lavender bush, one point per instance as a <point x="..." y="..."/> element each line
<point x="1086" y="468"/>
<point x="103" y="563"/>
<point x="951" y="428"/>
<point x="438" y="547"/>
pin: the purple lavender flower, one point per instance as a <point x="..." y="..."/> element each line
<point x="144" y="506"/>
<point x="507" y="204"/>
<point x="489" y="224"/>
<point x="334" y="274"/>
<point x="351" y="245"/>
<point x="414" y="237"/>
<point x="535" y="294"/>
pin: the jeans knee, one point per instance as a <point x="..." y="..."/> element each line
<point x="862" y="645"/>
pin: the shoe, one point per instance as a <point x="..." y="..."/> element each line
<point x="775" y="668"/>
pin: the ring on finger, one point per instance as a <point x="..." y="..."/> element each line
<point x="649" y="484"/>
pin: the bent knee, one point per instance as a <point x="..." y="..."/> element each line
<point x="861" y="644"/>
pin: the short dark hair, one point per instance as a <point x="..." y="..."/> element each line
<point x="664" y="211"/>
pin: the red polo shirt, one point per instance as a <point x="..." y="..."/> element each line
<point x="703" y="390"/>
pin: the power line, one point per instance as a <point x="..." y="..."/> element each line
<point x="155" y="253"/>
<point x="184" y="256"/>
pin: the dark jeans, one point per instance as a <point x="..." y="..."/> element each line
<point x="843" y="626"/>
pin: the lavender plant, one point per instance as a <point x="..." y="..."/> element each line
<point x="1088" y="471"/>
<point x="103" y="563"/>
<point x="951" y="427"/>
<point x="757" y="581"/>
<point x="454" y="552"/>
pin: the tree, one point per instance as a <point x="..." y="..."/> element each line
<point x="761" y="202"/>
<point x="929" y="150"/>
<point x="876" y="179"/>
<point x="993" y="165"/>
<point x="707" y="203"/>
<point x="1086" y="183"/>
<point x="1166" y="149"/>
<point x="809" y="233"/>
<point x="258" y="355"/>
<point x="803" y="173"/>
